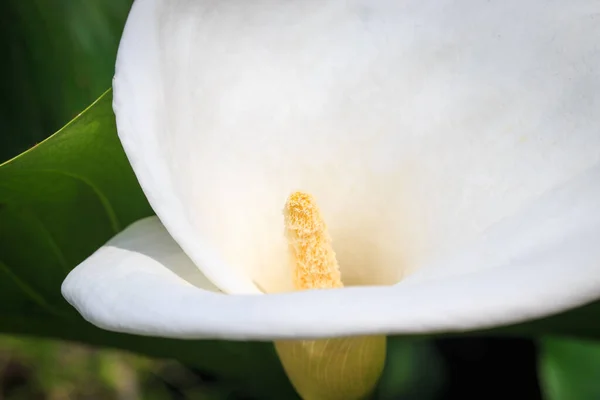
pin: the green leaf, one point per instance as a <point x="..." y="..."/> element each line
<point x="569" y="369"/>
<point x="59" y="202"/>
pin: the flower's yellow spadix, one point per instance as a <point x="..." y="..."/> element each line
<point x="313" y="259"/>
<point x="326" y="369"/>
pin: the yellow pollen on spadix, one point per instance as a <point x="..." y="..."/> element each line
<point x="326" y="369"/>
<point x="314" y="262"/>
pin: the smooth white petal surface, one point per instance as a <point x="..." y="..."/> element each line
<point x="543" y="260"/>
<point x="416" y="124"/>
<point x="142" y="251"/>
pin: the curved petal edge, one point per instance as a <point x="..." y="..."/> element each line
<point x="542" y="261"/>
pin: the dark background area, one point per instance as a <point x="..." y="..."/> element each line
<point x="489" y="368"/>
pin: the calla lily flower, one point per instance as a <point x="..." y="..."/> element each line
<point x="452" y="148"/>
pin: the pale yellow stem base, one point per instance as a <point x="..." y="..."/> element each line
<point x="334" y="369"/>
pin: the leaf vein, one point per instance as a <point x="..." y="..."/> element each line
<point x="30" y="291"/>
<point x="108" y="208"/>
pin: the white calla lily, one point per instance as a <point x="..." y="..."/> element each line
<point x="453" y="148"/>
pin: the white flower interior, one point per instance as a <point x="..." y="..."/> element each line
<point x="416" y="125"/>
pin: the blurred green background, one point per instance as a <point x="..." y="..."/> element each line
<point x="58" y="57"/>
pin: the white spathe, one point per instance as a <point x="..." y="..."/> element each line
<point x="453" y="146"/>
